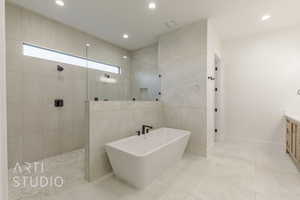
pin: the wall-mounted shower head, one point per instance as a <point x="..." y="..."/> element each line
<point x="60" y="68"/>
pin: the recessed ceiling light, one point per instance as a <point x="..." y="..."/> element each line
<point x="60" y="2"/>
<point x="265" y="17"/>
<point x="87" y="44"/>
<point x="152" y="5"/>
<point x="125" y="36"/>
<point x="124" y="57"/>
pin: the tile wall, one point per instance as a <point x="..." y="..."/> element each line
<point x="36" y="129"/>
<point x="145" y="80"/>
<point x="183" y="65"/>
<point x="110" y="121"/>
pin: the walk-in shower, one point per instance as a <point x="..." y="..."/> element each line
<point x="53" y="71"/>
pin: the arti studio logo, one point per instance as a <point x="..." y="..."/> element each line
<point x="33" y="175"/>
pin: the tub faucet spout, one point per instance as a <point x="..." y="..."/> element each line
<point x="145" y="129"/>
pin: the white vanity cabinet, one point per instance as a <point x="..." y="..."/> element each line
<point x="293" y="139"/>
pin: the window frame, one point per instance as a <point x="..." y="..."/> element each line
<point x="85" y="59"/>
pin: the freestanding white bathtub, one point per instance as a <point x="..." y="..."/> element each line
<point x="138" y="160"/>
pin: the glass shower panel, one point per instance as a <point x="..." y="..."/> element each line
<point x="108" y="85"/>
<point x="54" y="107"/>
<point x="48" y="97"/>
<point x="145" y="77"/>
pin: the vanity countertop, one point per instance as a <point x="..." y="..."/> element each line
<point x="293" y="116"/>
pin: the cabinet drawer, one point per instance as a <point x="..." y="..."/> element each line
<point x="288" y="126"/>
<point x="293" y="140"/>
<point x="289" y="136"/>
<point x="297" y="143"/>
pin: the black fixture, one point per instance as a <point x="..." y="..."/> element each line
<point x="216" y="89"/>
<point x="159" y="76"/>
<point x="216" y="69"/>
<point x="216" y="130"/>
<point x="211" y="78"/>
<point x="96" y="99"/>
<point x="59" y="103"/>
<point x="216" y="109"/>
<point x="60" y="68"/>
<point x="156" y="99"/>
<point x="159" y="93"/>
<point x="145" y="129"/>
<point x="138" y="133"/>
<point x="133" y="99"/>
<point x="107" y="75"/>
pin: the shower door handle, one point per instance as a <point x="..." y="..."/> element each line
<point x="211" y="78"/>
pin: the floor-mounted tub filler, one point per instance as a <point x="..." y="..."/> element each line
<point x="138" y="160"/>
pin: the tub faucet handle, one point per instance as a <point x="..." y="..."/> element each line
<point x="138" y="133"/>
<point x="145" y="129"/>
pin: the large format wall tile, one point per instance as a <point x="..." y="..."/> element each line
<point x="110" y="121"/>
<point x="145" y="81"/>
<point x="14" y="150"/>
<point x="13" y="22"/>
<point x="15" y="123"/>
<point x="37" y="129"/>
<point x="182" y="63"/>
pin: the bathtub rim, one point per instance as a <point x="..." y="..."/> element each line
<point x="185" y="133"/>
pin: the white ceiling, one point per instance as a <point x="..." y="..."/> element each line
<point x="109" y="19"/>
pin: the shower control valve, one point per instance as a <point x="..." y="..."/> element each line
<point x="59" y="103"/>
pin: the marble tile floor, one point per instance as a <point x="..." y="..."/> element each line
<point x="69" y="166"/>
<point x="233" y="171"/>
